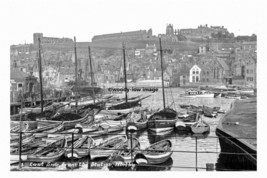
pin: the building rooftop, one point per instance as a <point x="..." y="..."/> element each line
<point x="17" y="74"/>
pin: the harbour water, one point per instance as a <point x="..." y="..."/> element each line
<point x="184" y="157"/>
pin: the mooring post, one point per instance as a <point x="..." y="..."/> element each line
<point x="209" y="167"/>
<point x="196" y="154"/>
<point x="131" y="137"/>
<point x="89" y="161"/>
<point x="89" y="156"/>
<point x="20" y="142"/>
<point x="72" y="138"/>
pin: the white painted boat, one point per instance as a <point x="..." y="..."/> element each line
<point x="180" y="125"/>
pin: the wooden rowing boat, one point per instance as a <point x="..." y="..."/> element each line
<point x="209" y="112"/>
<point x="25" y="141"/>
<point x="67" y="124"/>
<point x="49" y="153"/>
<point x="81" y="148"/>
<point x="200" y="127"/>
<point x="156" y="153"/>
<point x="107" y="147"/>
<point x="126" y="152"/>
<point x="137" y="121"/>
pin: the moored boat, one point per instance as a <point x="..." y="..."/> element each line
<point x="126" y="152"/>
<point x="107" y="147"/>
<point x="137" y="121"/>
<point x="81" y="148"/>
<point x="163" y="120"/>
<point x="209" y="112"/>
<point x="50" y="153"/>
<point x="200" y="127"/>
<point x="156" y="153"/>
<point x="198" y="94"/>
<point x="67" y="123"/>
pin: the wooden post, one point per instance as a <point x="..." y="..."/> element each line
<point x="162" y="79"/>
<point x="76" y="75"/>
<point x="196" y="154"/>
<point x="131" y="147"/>
<point x="72" y="140"/>
<point x="209" y="167"/>
<point x="20" y="129"/>
<point x="125" y="75"/>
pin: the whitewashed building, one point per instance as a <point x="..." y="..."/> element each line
<point x="194" y="74"/>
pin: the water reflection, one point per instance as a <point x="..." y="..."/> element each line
<point x="166" y="166"/>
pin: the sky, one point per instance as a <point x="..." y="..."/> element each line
<point x="86" y="18"/>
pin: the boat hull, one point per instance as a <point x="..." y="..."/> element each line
<point x="210" y="95"/>
<point x="67" y="124"/>
<point x="56" y="156"/>
<point x="157" y="153"/>
<point x="161" y="125"/>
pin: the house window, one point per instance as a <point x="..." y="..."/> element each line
<point x="196" y="72"/>
<point x="193" y="79"/>
<point x="196" y="78"/>
<point x="193" y="72"/>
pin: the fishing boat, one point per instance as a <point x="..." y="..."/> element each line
<point x="126" y="152"/>
<point x="67" y="123"/>
<point x="106" y="129"/>
<point x="81" y="148"/>
<point x="49" y="153"/>
<point x="137" y="121"/>
<point x="194" y="108"/>
<point x="156" y="153"/>
<point x="163" y="120"/>
<point x="198" y="94"/>
<point x="200" y="127"/>
<point x="209" y="112"/>
<point x="185" y="123"/>
<point x="232" y="96"/>
<point x="219" y="110"/>
<point x="107" y="147"/>
<point x="118" y="112"/>
<point x="25" y="141"/>
<point x="108" y="117"/>
<point x="180" y="125"/>
<point x="184" y="106"/>
<point x="15" y="131"/>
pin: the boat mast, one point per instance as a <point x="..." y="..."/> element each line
<point x="40" y="73"/>
<point x="162" y="79"/>
<point x="125" y="75"/>
<point x="91" y="72"/>
<point x="76" y="73"/>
